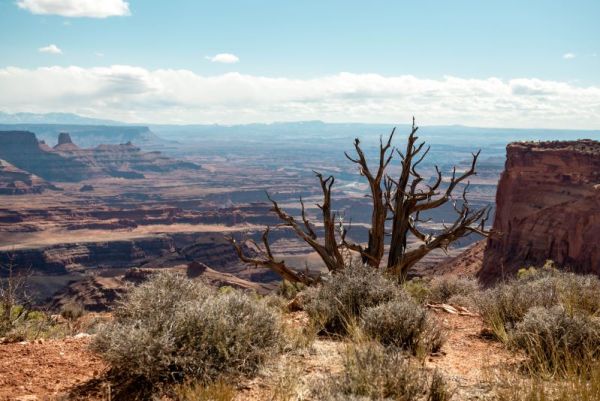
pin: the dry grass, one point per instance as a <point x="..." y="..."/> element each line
<point x="218" y="391"/>
<point x="373" y="372"/>
<point x="556" y="341"/>
<point x="572" y="387"/>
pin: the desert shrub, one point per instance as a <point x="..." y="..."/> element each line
<point x="442" y="289"/>
<point x="579" y="386"/>
<point x="173" y="329"/>
<point x="503" y="306"/>
<point x="556" y="340"/>
<point x="466" y="301"/>
<point x="372" y="372"/>
<point x="276" y="302"/>
<point x="32" y="325"/>
<point x="403" y="323"/>
<point x="289" y="290"/>
<point x="417" y="288"/>
<point x="337" y="303"/>
<point x="72" y="311"/>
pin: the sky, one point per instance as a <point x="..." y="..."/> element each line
<point x="484" y="63"/>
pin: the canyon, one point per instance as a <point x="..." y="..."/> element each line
<point x="80" y="219"/>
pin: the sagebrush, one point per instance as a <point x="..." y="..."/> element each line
<point x="372" y="372"/>
<point x="338" y="303"/>
<point x="173" y="329"/>
<point x="404" y="324"/>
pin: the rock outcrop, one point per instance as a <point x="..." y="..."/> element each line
<point x="70" y="257"/>
<point x="14" y="181"/>
<point x="548" y="207"/>
<point x="69" y="163"/>
<point x="22" y="149"/>
<point x="65" y="143"/>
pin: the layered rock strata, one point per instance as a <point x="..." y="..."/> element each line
<point x="548" y="207"/>
<point x="68" y="162"/>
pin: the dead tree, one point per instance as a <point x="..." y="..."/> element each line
<point x="12" y="294"/>
<point x="397" y="204"/>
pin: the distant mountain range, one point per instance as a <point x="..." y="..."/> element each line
<point x="52" y="118"/>
<point x="86" y="132"/>
<point x="91" y="132"/>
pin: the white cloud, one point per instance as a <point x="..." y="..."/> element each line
<point x="52" y="49"/>
<point x="76" y="8"/>
<point x="99" y="54"/>
<point x="569" y="56"/>
<point x="225" y="58"/>
<point x="136" y="94"/>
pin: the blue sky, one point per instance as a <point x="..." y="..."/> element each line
<point x="542" y="42"/>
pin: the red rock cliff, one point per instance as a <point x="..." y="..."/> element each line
<point x="548" y="207"/>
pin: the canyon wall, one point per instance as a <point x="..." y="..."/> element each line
<point x="14" y="181"/>
<point x="68" y="162"/>
<point x="21" y="149"/>
<point x="548" y="207"/>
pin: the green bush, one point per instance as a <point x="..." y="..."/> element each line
<point x="405" y="324"/>
<point x="337" y="304"/>
<point x="173" y="329"/>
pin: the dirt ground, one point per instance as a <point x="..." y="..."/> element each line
<point x="59" y="369"/>
<point x="44" y="370"/>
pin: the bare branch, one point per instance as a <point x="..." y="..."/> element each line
<point x="267" y="260"/>
<point x="309" y="229"/>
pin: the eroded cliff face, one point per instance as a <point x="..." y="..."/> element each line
<point x="67" y="162"/>
<point x="14" y="181"/>
<point x="548" y="207"/>
<point x="22" y="149"/>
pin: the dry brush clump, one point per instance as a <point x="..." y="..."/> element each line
<point x="445" y="289"/>
<point x="365" y="299"/>
<point x="172" y="329"/>
<point x="373" y="372"/>
<point x="404" y="324"/>
<point x="338" y="303"/>
<point x="579" y="386"/>
<point x="551" y="316"/>
<point x="503" y="306"/>
<point x="506" y="304"/>
<point x="556" y="340"/>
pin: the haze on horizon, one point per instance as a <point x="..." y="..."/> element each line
<point x="488" y="64"/>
